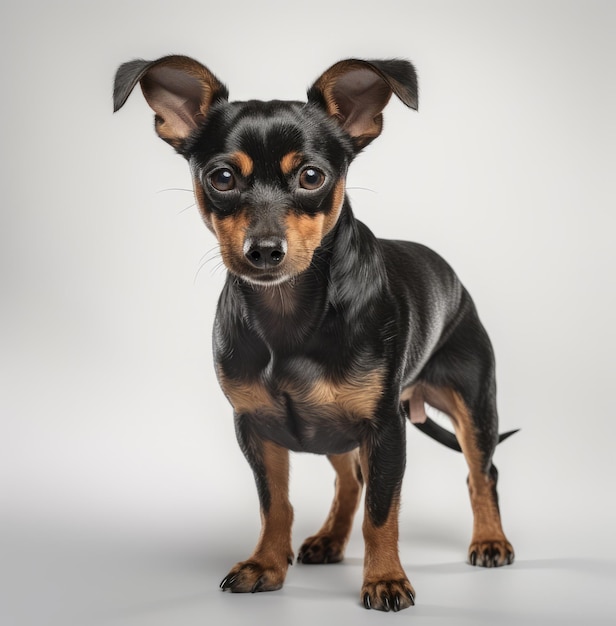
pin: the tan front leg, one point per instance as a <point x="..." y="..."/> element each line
<point x="266" y="568"/>
<point x="386" y="586"/>
<point x="328" y="544"/>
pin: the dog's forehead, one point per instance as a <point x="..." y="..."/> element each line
<point x="268" y="126"/>
<point x="268" y="130"/>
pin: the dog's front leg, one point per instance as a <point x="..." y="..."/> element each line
<point x="266" y="568"/>
<point x="382" y="456"/>
<point x="328" y="544"/>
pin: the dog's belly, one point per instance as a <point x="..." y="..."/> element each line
<point x="307" y="431"/>
<point x="319" y="416"/>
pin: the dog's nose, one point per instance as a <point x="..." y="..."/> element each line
<point x="267" y="252"/>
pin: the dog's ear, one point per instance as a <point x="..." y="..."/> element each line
<point x="179" y="89"/>
<point x="355" y="93"/>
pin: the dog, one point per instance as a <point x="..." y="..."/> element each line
<point x="327" y="339"/>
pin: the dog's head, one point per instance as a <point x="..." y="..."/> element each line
<point x="269" y="177"/>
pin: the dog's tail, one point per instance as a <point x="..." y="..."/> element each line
<point x="447" y="438"/>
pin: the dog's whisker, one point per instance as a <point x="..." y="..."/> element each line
<point x="317" y="255"/>
<point x="362" y="189"/>
<point x="175" y="189"/>
<point x="190" y="206"/>
<point x="212" y="253"/>
<point x="209" y="257"/>
<point x="220" y="267"/>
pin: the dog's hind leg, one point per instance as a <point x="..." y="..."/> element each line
<point x="476" y="433"/>
<point x="328" y="544"/>
<point x="460" y="381"/>
<point x="489" y="546"/>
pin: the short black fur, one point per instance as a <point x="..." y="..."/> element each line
<point x="327" y="338"/>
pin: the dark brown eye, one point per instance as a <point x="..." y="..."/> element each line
<point x="223" y="179"/>
<point x="311" y="178"/>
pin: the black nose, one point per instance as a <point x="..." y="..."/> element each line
<point x="263" y="253"/>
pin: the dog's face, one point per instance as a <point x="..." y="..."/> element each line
<point x="269" y="177"/>
<point x="269" y="182"/>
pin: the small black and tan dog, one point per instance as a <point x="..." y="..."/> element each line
<point x="326" y="338"/>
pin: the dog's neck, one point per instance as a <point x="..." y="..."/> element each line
<point x="287" y="314"/>
<point x="284" y="315"/>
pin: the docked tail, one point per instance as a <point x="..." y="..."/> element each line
<point x="446" y="437"/>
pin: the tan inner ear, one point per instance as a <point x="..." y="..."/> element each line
<point x="356" y="95"/>
<point x="180" y="91"/>
<point x="360" y="96"/>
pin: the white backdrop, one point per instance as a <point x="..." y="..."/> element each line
<point x="124" y="497"/>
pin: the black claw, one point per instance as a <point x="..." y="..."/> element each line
<point x="290" y="559"/>
<point x="473" y="558"/>
<point x="257" y="586"/>
<point x="486" y="559"/>
<point x="228" y="581"/>
<point x="367" y="602"/>
<point x="385" y="601"/>
<point x="396" y="603"/>
<point x="495" y="560"/>
<point x="411" y="597"/>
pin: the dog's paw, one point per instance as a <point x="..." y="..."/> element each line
<point x="321" y="549"/>
<point x="251" y="576"/>
<point x="388" y="595"/>
<point x="490" y="553"/>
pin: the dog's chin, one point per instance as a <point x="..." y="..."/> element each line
<point x="266" y="280"/>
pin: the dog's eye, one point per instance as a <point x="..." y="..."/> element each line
<point x="223" y="179"/>
<point x="311" y="178"/>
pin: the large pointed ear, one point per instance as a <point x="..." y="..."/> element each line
<point x="179" y="89"/>
<point x="355" y="92"/>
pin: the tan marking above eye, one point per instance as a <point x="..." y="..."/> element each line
<point x="290" y="161"/>
<point x="243" y="162"/>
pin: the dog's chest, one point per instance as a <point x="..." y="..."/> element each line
<point x="303" y="411"/>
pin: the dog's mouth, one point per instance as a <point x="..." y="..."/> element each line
<point x="267" y="262"/>
<point x="266" y="279"/>
<point x="266" y="276"/>
<point x="271" y="264"/>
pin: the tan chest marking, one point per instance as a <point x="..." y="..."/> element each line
<point x="357" y="398"/>
<point x="247" y="397"/>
